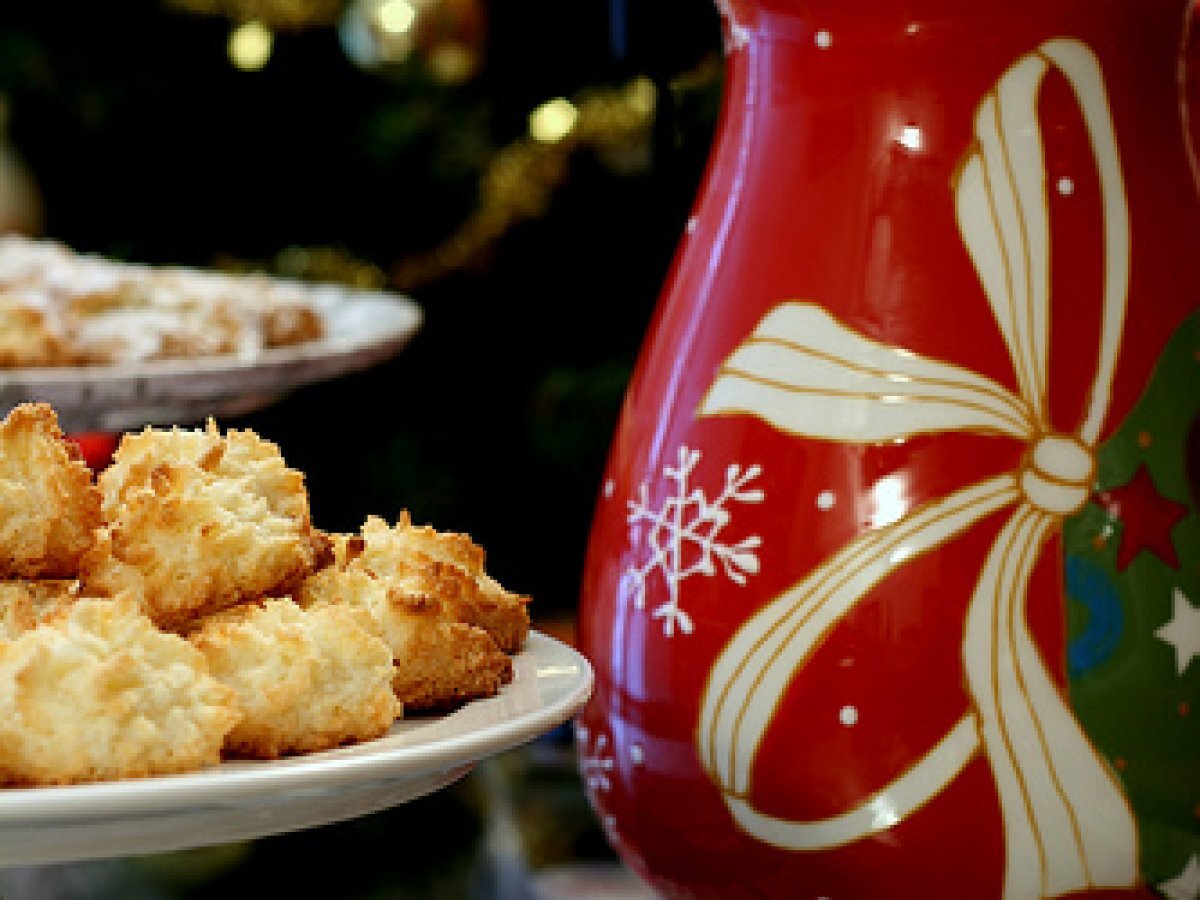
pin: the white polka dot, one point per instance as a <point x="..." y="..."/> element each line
<point x="692" y="222"/>
<point x="1065" y="186"/>
<point x="911" y="138"/>
<point x="637" y="754"/>
<point x="609" y="487"/>
<point x="848" y="716"/>
<point x="826" y="499"/>
<point x="823" y="39"/>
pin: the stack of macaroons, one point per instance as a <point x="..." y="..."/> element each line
<point x="182" y="607"/>
<point x="62" y="308"/>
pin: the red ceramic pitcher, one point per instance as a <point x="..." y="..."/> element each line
<point x="893" y="588"/>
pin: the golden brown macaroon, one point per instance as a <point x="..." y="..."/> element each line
<point x="97" y="692"/>
<point x="69" y="308"/>
<point x="112" y="330"/>
<point x="26" y="339"/>
<point x="198" y="521"/>
<point x="25" y="603"/>
<point x="460" y="581"/>
<point x="438" y="662"/>
<point x="49" y="506"/>
<point x="285" y="324"/>
<point x="306" y="680"/>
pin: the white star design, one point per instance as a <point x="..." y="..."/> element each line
<point x="1185" y="885"/>
<point x="1183" y="631"/>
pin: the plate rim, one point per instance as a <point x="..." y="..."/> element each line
<point x="412" y="314"/>
<point x="365" y="328"/>
<point x="260" y="779"/>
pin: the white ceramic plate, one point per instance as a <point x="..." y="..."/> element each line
<point x="363" y="328"/>
<point x="242" y="800"/>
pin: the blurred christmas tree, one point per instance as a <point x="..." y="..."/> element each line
<point x="523" y="169"/>
<point x="303" y="136"/>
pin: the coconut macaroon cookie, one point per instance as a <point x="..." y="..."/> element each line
<point x="97" y="692"/>
<point x="49" y="506"/>
<point x="26" y="603"/>
<point x="197" y="521"/>
<point x="472" y="595"/>
<point x="26" y="338"/>
<point x="438" y="662"/>
<point x="305" y="680"/>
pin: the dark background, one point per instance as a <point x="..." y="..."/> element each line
<point x="145" y="144"/>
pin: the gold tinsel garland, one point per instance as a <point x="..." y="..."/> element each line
<point x="329" y="264"/>
<point x="518" y="185"/>
<point x="278" y="15"/>
<point x="522" y="177"/>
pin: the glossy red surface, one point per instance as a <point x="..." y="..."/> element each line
<point x="830" y="181"/>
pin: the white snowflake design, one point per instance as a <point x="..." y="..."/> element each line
<point x="595" y="760"/>
<point x="688" y="525"/>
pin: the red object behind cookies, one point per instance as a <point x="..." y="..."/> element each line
<point x="97" y="447"/>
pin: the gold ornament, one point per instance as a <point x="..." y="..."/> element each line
<point x="446" y="36"/>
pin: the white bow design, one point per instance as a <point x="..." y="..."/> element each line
<point x="1067" y="823"/>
